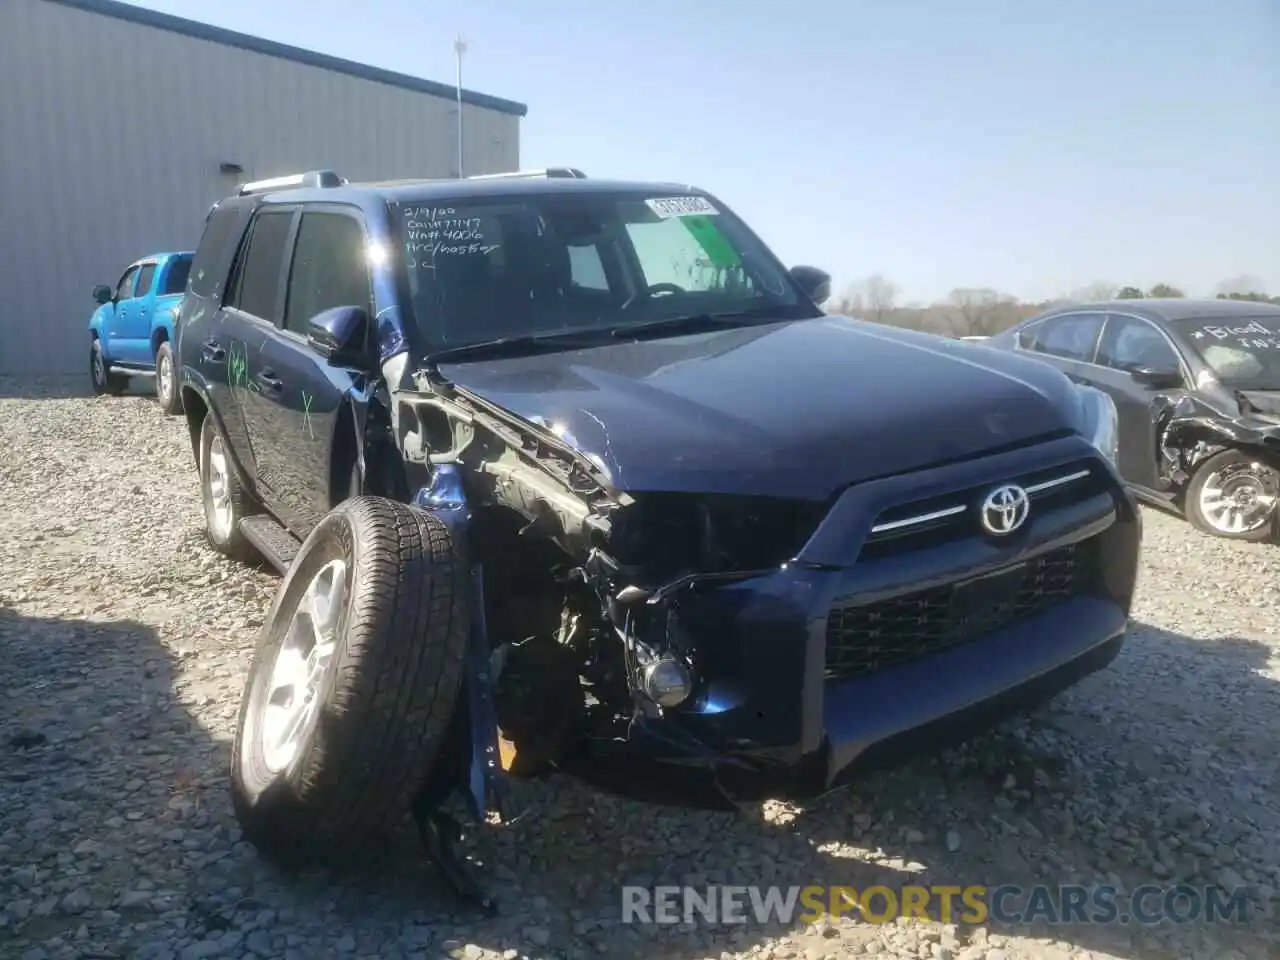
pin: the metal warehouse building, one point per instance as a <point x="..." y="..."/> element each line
<point x="120" y="126"/>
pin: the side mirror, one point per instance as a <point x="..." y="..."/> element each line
<point x="1157" y="378"/>
<point x="339" y="335"/>
<point x="815" y="283"/>
<point x="102" y="294"/>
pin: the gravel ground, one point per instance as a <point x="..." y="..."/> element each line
<point x="124" y="641"/>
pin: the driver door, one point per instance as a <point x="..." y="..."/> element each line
<point x="1127" y="344"/>
<point x="127" y="322"/>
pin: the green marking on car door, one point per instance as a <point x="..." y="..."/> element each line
<point x="237" y="367"/>
<point x="306" y="414"/>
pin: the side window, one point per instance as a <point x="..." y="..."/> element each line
<point x="261" y="262"/>
<point x="1027" y="336"/>
<point x="586" y="269"/>
<point x="1128" y="344"/>
<point x="1072" y="337"/>
<point x="124" y="289"/>
<point x="144" y="280"/>
<point x="205" y="272"/>
<point x="330" y="268"/>
<point x="175" y="281"/>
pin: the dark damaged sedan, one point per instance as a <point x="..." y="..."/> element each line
<point x="574" y="474"/>
<point x="1197" y="386"/>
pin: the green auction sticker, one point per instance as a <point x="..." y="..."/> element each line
<point x="718" y="250"/>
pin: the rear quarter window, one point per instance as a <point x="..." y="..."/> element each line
<point x="175" y="280"/>
<point x="223" y="229"/>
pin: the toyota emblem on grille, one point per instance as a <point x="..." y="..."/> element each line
<point x="1005" y="509"/>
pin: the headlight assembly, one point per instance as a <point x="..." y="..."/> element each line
<point x="1099" y="422"/>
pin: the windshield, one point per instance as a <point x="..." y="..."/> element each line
<point x="484" y="270"/>
<point x="1242" y="352"/>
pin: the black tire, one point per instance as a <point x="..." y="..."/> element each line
<point x="223" y="536"/>
<point x="103" y="380"/>
<point x="167" y="393"/>
<point x="388" y="698"/>
<point x="1216" y="464"/>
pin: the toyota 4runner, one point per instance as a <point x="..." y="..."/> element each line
<point x="573" y="473"/>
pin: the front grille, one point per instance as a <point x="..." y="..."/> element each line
<point x="864" y="639"/>
<point x="926" y="523"/>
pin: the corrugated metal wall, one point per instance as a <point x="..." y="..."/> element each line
<point x="111" y="136"/>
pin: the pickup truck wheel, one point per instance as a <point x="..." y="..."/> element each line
<point x="167" y="394"/>
<point x="1233" y="495"/>
<point x="225" y="502"/>
<point x="104" y="382"/>
<point x="354" y="683"/>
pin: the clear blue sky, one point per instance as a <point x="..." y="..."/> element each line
<point x="1030" y="146"/>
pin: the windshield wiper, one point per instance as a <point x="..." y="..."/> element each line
<point x="693" y="322"/>
<point x="525" y="343"/>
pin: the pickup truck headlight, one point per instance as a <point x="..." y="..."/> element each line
<point x="1099" y="421"/>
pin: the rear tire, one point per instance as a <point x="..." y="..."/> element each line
<point x="1226" y="478"/>
<point x="225" y="501"/>
<point x="383" y="696"/>
<point x="167" y="393"/>
<point x="103" y="380"/>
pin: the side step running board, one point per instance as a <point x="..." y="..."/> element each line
<point x="270" y="539"/>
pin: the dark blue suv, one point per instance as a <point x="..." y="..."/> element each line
<point x="568" y="473"/>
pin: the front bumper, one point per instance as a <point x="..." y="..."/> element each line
<point x="792" y="701"/>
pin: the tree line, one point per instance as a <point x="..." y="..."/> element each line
<point x="983" y="311"/>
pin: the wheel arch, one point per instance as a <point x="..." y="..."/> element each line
<point x="160" y="335"/>
<point x="195" y="407"/>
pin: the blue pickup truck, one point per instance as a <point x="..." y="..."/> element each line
<point x="132" y="330"/>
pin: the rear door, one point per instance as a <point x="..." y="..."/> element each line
<point x="328" y="268"/>
<point x="252" y="306"/>
<point x="202" y="355"/>
<point x="1068" y="341"/>
<point x="140" y="323"/>
<point x="1127" y="344"/>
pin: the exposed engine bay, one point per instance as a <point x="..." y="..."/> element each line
<point x="584" y="583"/>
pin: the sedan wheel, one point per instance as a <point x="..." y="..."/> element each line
<point x="1234" y="495"/>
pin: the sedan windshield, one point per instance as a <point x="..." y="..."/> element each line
<point x="485" y="270"/>
<point x="1242" y="352"/>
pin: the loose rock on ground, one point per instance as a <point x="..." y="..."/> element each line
<point x="124" y="641"/>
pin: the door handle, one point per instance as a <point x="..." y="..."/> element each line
<point x="212" y="351"/>
<point x="269" y="380"/>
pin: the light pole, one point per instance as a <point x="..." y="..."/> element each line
<point x="459" y="48"/>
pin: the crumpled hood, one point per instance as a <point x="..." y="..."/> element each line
<point x="797" y="409"/>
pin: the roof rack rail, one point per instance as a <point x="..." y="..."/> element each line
<point x="312" y="178"/>
<point x="550" y="173"/>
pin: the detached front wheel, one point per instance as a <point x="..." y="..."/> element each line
<point x="1234" y="494"/>
<point x="354" y="683"/>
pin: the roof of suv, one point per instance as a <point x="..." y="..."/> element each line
<point x="393" y="191"/>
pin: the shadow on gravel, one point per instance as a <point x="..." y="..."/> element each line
<point x="103" y="775"/>
<point x="62" y="387"/>
<point x="114" y="815"/>
<point x="1100" y="788"/>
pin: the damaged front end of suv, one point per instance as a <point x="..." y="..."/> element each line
<point x="601" y="605"/>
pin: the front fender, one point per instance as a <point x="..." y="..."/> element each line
<point x="98" y="322"/>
